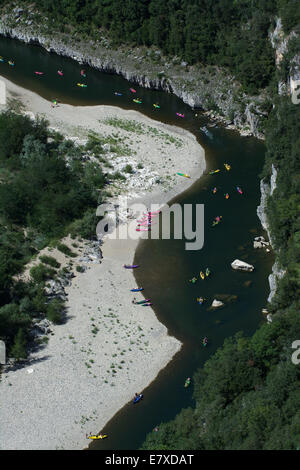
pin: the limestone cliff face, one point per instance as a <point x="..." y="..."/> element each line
<point x="211" y="89"/>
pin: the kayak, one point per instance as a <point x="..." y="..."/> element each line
<point x="226" y="196"/>
<point x="1" y="59"/>
<point x="205" y="341"/>
<point x="193" y="280"/>
<point x="154" y="212"/>
<point x="11" y="62"/>
<point x="217" y="220"/>
<point x="39" y="73"/>
<point x="156" y="106"/>
<point x="132" y="90"/>
<point x="118" y="94"/>
<point x="137" y="101"/>
<point x="143" y="301"/>
<point x="137" y="289"/>
<point x="214" y="190"/>
<point x="147" y="305"/>
<point x="187" y="382"/>
<point x="212" y="172"/>
<point x="82" y="73"/>
<point x="82" y="85"/>
<point x="183" y="174"/>
<point x="200" y="300"/>
<point x="227" y="166"/>
<point x="138" y="398"/>
<point x="60" y="73"/>
<point x="202" y="275"/>
<point x="130" y="266"/>
<point x="180" y="115"/>
<point x="143" y="229"/>
<point x="207" y="272"/>
<point x="101" y="436"/>
<point x="239" y="190"/>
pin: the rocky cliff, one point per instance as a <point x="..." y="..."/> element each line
<point x="209" y="88"/>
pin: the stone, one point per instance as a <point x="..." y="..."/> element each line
<point x="241" y="265"/>
<point x="269" y="318"/>
<point x="217" y="303"/>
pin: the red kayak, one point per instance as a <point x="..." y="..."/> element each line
<point x="39" y="73"/>
<point x="60" y="72"/>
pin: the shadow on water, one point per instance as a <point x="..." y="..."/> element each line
<point x="166" y="266"/>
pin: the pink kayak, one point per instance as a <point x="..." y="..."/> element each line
<point x="180" y="115"/>
<point x="39" y="73"/>
<point x="142" y="229"/>
<point x="132" y="90"/>
<point x="60" y="72"/>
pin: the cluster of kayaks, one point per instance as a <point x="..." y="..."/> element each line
<point x="144" y="224"/>
<point x="10" y="62"/>
<point x="239" y="190"/>
<point x="202" y="276"/>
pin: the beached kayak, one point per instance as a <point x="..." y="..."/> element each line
<point x="142" y="301"/>
<point x="100" y="436"/>
<point x="137" y="289"/>
<point x="147" y="304"/>
<point x="183" y="174"/>
<point x="138" y="398"/>
<point x="130" y="266"/>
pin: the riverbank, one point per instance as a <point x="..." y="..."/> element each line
<point x="108" y="348"/>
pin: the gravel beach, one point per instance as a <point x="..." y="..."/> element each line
<point x="108" y="348"/>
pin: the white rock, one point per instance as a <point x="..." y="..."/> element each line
<point x="241" y="265"/>
<point x="269" y="318"/>
<point x="217" y="303"/>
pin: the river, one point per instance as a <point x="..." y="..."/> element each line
<point x="168" y="266"/>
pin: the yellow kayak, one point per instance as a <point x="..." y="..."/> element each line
<point x="101" y="436"/>
<point x="227" y="166"/>
<point x="202" y="275"/>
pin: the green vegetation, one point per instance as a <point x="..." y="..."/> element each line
<point x="39" y="191"/>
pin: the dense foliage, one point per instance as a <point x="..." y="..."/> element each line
<point x="46" y="191"/>
<point x="247" y="394"/>
<point x="232" y="33"/>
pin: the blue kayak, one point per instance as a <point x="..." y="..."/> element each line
<point x="138" y="398"/>
<point x="138" y="289"/>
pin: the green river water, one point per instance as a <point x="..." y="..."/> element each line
<point x="166" y="266"/>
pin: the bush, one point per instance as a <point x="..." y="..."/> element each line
<point x="66" y="250"/>
<point x="41" y="273"/>
<point x="54" y="311"/>
<point x="50" y="260"/>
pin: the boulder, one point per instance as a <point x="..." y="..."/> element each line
<point x="217" y="303"/>
<point x="269" y="318"/>
<point x="241" y="265"/>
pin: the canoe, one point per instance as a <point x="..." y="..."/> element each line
<point x="101" y="436"/>
<point x="132" y="90"/>
<point x="180" y="115"/>
<point x="187" y="382"/>
<point x="137" y="289"/>
<point x="138" y="398"/>
<point x="82" y="85"/>
<point x="60" y="73"/>
<point x="142" y="301"/>
<point x="183" y="174"/>
<point x="130" y="266"/>
<point x="202" y="275"/>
